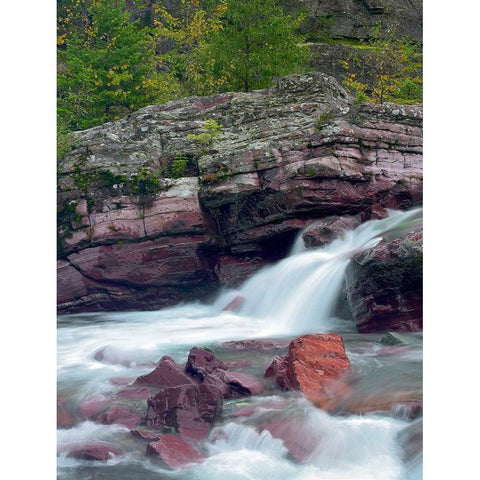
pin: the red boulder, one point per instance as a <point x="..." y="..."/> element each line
<point x="314" y="365"/>
<point x="121" y="416"/>
<point x="201" y="362"/>
<point x="98" y="451"/>
<point x="190" y="409"/>
<point x="166" y="374"/>
<point x="174" y="452"/>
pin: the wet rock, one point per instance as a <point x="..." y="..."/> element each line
<point x="384" y="285"/>
<point x="201" y="362"/>
<point x="92" y="405"/>
<point x="65" y="417"/>
<point x="410" y="440"/>
<point x="174" y="452"/>
<point x="408" y="404"/>
<point x="325" y="231"/>
<point x="145" y="435"/>
<point x="314" y="365"/>
<point x="121" y="416"/>
<point x="295" y="434"/>
<point x="395" y="338"/>
<point x="135" y="393"/>
<point x="189" y="408"/>
<point x="261" y="345"/>
<point x="239" y="384"/>
<point x="100" y="452"/>
<point x="166" y="374"/>
<point x="235" y="304"/>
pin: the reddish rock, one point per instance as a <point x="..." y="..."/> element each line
<point x="121" y="416"/>
<point x="235" y="304"/>
<point x="237" y="364"/>
<point x="233" y="271"/>
<point x="189" y="408"/>
<point x="314" y="365"/>
<point x="295" y="435"/>
<point x="200" y="363"/>
<point x="329" y="229"/>
<point x="278" y="370"/>
<point x="242" y="384"/>
<point x="174" y="452"/>
<point x="91" y="406"/>
<point x="407" y="403"/>
<point x="384" y="285"/>
<point x="99" y="452"/>
<point x="166" y="374"/>
<point x="119" y="381"/>
<point x="375" y="212"/>
<point x="135" y="393"/>
<point x="145" y="435"/>
<point x="65" y="418"/>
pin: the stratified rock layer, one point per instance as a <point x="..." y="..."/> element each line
<point x="129" y="238"/>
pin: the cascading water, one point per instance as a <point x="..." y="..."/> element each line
<point x="296" y="295"/>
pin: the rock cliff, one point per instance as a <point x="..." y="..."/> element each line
<point x="131" y="236"/>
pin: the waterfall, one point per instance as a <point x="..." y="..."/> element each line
<point x="298" y="294"/>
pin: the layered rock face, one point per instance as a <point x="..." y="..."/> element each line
<point x="132" y="237"/>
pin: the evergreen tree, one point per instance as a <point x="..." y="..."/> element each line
<point x="106" y="67"/>
<point x="257" y="41"/>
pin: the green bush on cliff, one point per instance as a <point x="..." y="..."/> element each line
<point x="390" y="70"/>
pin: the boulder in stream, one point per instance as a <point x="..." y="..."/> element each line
<point x="99" y="452"/>
<point x="174" y="452"/>
<point x="314" y="365"/>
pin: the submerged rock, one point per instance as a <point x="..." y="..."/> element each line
<point x="384" y="285"/>
<point x="314" y="365"/>
<point x="100" y="452"/>
<point x="174" y="452"/>
<point x="395" y="338"/>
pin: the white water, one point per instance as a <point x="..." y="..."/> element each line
<point x="294" y="296"/>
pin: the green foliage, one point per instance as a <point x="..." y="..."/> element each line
<point x="257" y="41"/>
<point x="106" y="66"/>
<point x="322" y="120"/>
<point x="179" y="165"/>
<point x="112" y="61"/>
<point x="189" y="62"/>
<point x="145" y="183"/>
<point x="209" y="131"/>
<point x="390" y="70"/>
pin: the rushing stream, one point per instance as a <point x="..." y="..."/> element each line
<point x="295" y="296"/>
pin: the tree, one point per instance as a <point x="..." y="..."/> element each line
<point x="106" y="66"/>
<point x="189" y="61"/>
<point x="257" y="41"/>
<point x="389" y="69"/>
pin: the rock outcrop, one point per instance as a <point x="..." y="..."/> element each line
<point x="384" y="285"/>
<point x="354" y="18"/>
<point x="132" y="237"/>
